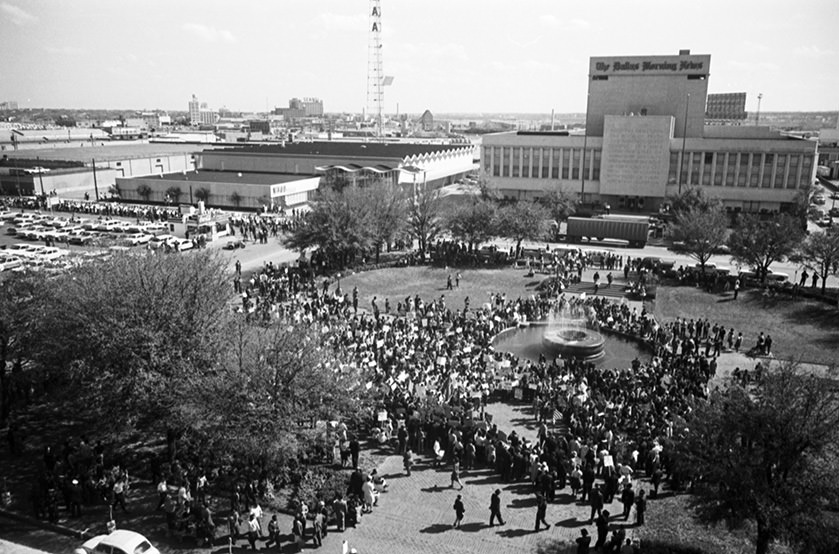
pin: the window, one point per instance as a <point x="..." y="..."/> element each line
<point x="535" y="161"/>
<point x="792" y="181"/>
<point x="673" y="175"/>
<point x="596" y="174"/>
<point x="780" y="171"/>
<point x="806" y="168"/>
<point x="516" y="153"/>
<point x="546" y="158"/>
<point x="525" y="162"/>
<point x="696" y="77"/>
<point x="600" y="78"/>
<point x="768" y="164"/>
<point x="566" y="162"/>
<point x="575" y="172"/>
<point x="555" y="163"/>
<point x="730" y="174"/>
<point x="744" y="169"/>
<point x="694" y="167"/>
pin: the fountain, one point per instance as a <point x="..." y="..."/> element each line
<point x="567" y="334"/>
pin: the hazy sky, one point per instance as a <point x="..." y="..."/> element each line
<point x="445" y="55"/>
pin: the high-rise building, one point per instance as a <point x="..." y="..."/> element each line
<point x="194" y="111"/>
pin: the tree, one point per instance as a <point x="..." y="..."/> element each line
<point x="19" y="310"/>
<point x="472" y="222"/>
<point x="203" y="195"/>
<point x="236" y="198"/>
<point x="522" y="220"/>
<point x="560" y="204"/>
<point x="820" y="253"/>
<point x="424" y="215"/>
<point x="174" y="193"/>
<point x="692" y="198"/>
<point x="144" y="191"/>
<point x="128" y="335"/>
<point x="701" y="231"/>
<point x="766" y="455"/>
<point x="388" y="213"/>
<point x="259" y="407"/>
<point x="759" y="243"/>
<point x="339" y="223"/>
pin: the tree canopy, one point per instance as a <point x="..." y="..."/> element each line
<point x="560" y="205"/>
<point x="522" y="220"/>
<point x="759" y="243"/>
<point x="424" y="214"/>
<point x="700" y="231"/>
<point x="766" y="454"/>
<point x="472" y="222"/>
<point x="820" y="253"/>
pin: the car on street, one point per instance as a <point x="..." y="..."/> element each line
<point x="234" y="244"/>
<point x="120" y="541"/>
<point x="82" y="238"/>
<point x="159" y="240"/>
<point x="135" y="239"/>
<point x="181" y="244"/>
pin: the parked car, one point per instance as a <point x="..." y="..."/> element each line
<point x="7" y="263"/>
<point x="234" y="244"/>
<point x="135" y="239"/>
<point x="181" y="244"/>
<point x="121" y="541"/>
<point x="160" y="240"/>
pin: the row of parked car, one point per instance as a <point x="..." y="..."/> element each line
<point x="84" y="232"/>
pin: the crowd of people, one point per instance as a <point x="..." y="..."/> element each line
<point x="435" y="368"/>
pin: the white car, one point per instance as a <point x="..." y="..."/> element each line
<point x="50" y="254"/>
<point x="137" y="238"/>
<point x="181" y="244"/>
<point x="7" y="263"/>
<point x="120" y="541"/>
<point x="160" y="240"/>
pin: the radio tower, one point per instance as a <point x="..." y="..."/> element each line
<point x="375" y="77"/>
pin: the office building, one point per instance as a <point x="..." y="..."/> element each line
<point x="646" y="138"/>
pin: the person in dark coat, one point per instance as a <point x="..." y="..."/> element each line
<point x="495" y="508"/>
<point x="640" y="508"/>
<point x="627" y="499"/>
<point x="459" y="510"/>
<point x="541" y="512"/>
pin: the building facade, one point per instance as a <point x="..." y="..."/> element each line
<point x="646" y="139"/>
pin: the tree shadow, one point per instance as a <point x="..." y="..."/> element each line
<point x="523" y="502"/>
<point x="436" y="528"/>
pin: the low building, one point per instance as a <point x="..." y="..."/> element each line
<point x="223" y="189"/>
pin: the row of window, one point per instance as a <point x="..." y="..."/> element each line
<point x="741" y="169"/>
<point x="541" y="163"/>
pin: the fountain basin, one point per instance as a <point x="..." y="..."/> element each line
<point x="573" y="342"/>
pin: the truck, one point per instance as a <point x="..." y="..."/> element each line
<point x="635" y="232"/>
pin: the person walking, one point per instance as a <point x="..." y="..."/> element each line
<point x="253" y="530"/>
<point x="736" y="288"/>
<point x="541" y="512"/>
<point x="408" y="462"/>
<point x="459" y="510"/>
<point x="456" y="475"/>
<point x="495" y="508"/>
<point x="274" y="533"/>
<point x="596" y="502"/>
<point x="627" y="499"/>
<point x="640" y="507"/>
<point x="602" y="529"/>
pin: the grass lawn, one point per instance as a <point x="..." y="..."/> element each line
<point x="802" y="330"/>
<point x="430" y="282"/>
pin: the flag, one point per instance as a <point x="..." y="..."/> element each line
<point x="557" y="415"/>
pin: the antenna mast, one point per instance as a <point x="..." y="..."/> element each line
<point x="759" y="98"/>
<point x="375" y="77"/>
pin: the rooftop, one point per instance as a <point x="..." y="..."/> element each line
<point x="396" y="150"/>
<point x="244" y="177"/>
<point x="108" y="152"/>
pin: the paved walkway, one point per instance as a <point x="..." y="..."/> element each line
<point x="415" y="516"/>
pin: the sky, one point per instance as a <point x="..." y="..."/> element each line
<point x="466" y="56"/>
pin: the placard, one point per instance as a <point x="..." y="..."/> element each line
<point x="382" y="415"/>
<point x="518" y="393"/>
<point x="608" y="461"/>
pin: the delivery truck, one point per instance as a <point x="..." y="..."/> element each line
<point x="635" y="232"/>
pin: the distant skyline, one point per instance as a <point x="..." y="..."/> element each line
<point x="466" y="56"/>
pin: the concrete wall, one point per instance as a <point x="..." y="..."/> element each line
<point x="71" y="184"/>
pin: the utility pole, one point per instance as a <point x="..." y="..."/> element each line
<point x="757" y="117"/>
